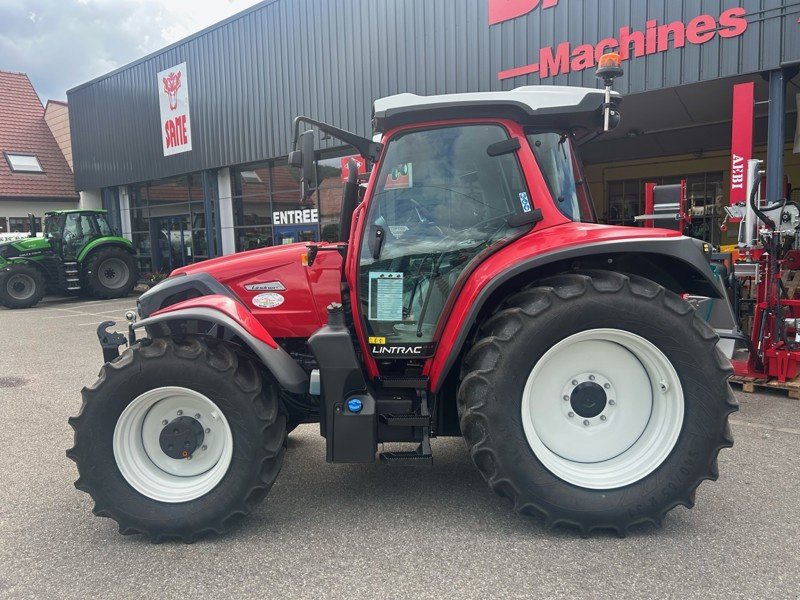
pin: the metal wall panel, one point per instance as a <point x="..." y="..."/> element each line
<point x="250" y="75"/>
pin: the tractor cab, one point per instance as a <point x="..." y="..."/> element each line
<point x="454" y="180"/>
<point x="70" y="232"/>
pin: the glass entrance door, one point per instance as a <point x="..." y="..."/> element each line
<point x="175" y="241"/>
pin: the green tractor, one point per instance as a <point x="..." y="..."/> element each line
<point x="79" y="253"/>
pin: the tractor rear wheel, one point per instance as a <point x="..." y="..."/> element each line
<point x="110" y="273"/>
<point x="178" y="438"/>
<point x="21" y="286"/>
<point x="596" y="400"/>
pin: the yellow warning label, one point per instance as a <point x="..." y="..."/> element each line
<point x="377" y="340"/>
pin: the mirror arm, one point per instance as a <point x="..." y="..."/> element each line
<point x="366" y="147"/>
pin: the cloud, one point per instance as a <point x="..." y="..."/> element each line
<point x="63" y="43"/>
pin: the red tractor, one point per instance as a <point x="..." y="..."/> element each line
<point x="473" y="294"/>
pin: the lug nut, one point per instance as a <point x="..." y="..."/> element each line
<point x="611" y="402"/>
<point x="586" y="422"/>
<point x="566" y="398"/>
<point x="571" y="414"/>
<point x="208" y="429"/>
<point x="164" y="422"/>
<point x="204" y="447"/>
<point x="574" y="382"/>
<point x="603" y="417"/>
<point x="180" y="412"/>
<point x="607" y="386"/>
<point x="591" y="377"/>
<point x="197" y="416"/>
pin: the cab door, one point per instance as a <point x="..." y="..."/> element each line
<point x="79" y="230"/>
<point x="440" y="202"/>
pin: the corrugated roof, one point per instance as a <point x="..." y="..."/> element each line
<point x="23" y="130"/>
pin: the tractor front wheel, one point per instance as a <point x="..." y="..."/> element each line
<point x="179" y="438"/>
<point x="110" y="273"/>
<point x="596" y="400"/>
<point x="21" y="286"/>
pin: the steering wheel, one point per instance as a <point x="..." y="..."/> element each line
<point x="414" y="217"/>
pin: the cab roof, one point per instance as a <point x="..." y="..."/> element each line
<point x="541" y="106"/>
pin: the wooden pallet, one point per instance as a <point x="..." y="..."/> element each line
<point x="749" y="385"/>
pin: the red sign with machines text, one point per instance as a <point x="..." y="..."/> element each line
<point x="566" y="57"/>
<point x="173" y="100"/>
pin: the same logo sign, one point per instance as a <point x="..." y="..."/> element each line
<point x="173" y="101"/>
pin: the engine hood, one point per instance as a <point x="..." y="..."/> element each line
<point x="288" y="297"/>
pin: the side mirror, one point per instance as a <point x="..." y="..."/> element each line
<point x="303" y="158"/>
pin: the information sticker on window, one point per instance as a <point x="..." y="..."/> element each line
<point x="401" y="177"/>
<point x="385" y="296"/>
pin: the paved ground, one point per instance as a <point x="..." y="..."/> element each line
<point x="339" y="531"/>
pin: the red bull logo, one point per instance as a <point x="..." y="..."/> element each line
<point x="506" y="10"/>
<point x="172" y="84"/>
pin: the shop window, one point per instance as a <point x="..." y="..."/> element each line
<point x="168" y="223"/>
<point x="268" y="208"/>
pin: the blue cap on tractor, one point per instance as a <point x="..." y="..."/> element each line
<point x="355" y="405"/>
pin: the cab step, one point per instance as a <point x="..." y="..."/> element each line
<point x="72" y="276"/>
<point x="415" y="457"/>
<point x="406" y="420"/>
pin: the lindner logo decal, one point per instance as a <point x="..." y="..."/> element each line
<point x="505" y="10"/>
<point x="267" y="286"/>
<point x="564" y="57"/>
<point x="173" y="101"/>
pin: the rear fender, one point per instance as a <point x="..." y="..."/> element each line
<point x="237" y="320"/>
<point x="679" y="264"/>
<point x="104" y="242"/>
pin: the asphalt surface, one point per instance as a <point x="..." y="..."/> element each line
<point x="342" y="531"/>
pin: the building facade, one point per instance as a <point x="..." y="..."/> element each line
<point x="187" y="146"/>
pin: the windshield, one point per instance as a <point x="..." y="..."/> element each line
<point x="562" y="172"/>
<point x="440" y="200"/>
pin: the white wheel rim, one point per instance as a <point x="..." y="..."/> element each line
<point x="146" y="467"/>
<point x="637" y="426"/>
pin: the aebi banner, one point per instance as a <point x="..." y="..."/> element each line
<point x="173" y="101"/>
<point x="741" y="139"/>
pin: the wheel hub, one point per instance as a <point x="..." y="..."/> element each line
<point x="588" y="399"/>
<point x="180" y="438"/>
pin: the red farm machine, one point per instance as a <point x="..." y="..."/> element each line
<point x="472" y="294"/>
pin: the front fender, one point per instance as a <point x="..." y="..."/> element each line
<point x="232" y="315"/>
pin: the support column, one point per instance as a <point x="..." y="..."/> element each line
<point x="226" y="220"/>
<point x="125" y="211"/>
<point x="775" y="138"/>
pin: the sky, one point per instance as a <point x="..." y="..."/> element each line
<point x="63" y="43"/>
